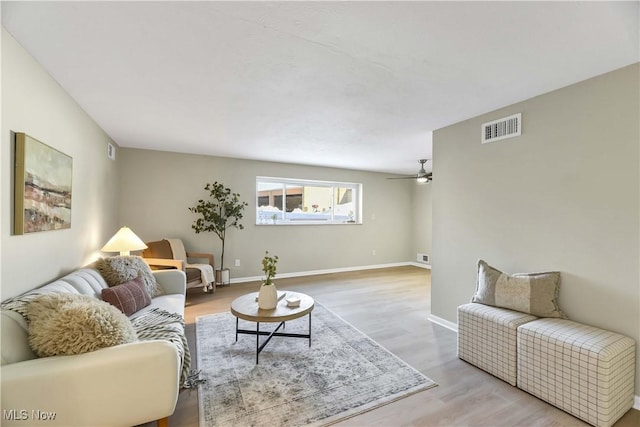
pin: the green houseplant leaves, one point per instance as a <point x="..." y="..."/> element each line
<point x="223" y="210"/>
<point x="269" y="267"/>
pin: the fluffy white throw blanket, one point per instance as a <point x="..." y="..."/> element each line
<point x="206" y="271"/>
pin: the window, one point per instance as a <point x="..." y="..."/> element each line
<point x="296" y="201"/>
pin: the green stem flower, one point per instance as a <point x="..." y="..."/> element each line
<point x="269" y="267"/>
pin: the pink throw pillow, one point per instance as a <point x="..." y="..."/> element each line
<point x="128" y="297"/>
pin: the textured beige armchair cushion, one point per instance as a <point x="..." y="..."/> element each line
<point x="532" y="293"/>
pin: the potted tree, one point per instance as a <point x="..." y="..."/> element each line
<point x="220" y="212"/>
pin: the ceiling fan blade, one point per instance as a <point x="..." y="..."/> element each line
<point x="403" y="177"/>
<point x="421" y="176"/>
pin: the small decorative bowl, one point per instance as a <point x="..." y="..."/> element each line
<point x="293" y="302"/>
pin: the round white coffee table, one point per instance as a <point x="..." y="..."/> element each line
<point x="246" y="308"/>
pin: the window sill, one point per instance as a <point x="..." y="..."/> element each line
<point x="296" y="223"/>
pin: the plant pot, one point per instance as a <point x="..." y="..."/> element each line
<point x="267" y="297"/>
<point x="222" y="277"/>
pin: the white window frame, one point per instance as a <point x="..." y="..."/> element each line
<point x="282" y="217"/>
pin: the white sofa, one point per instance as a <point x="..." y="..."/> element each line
<point x="124" y="385"/>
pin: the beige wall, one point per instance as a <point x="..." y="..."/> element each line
<point x="33" y="103"/>
<point x="156" y="188"/>
<point x="563" y="196"/>
<point x="422" y="216"/>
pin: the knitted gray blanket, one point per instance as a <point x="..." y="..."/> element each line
<point x="158" y="324"/>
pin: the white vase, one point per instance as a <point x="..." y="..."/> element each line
<point x="267" y="297"/>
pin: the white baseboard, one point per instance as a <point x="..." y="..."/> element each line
<point x="636" y="403"/>
<point x="443" y="322"/>
<point x="420" y="265"/>
<point x="327" y="271"/>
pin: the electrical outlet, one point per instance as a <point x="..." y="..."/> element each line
<point x="373" y="252"/>
<point x="237" y="263"/>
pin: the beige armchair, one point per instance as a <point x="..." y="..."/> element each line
<point x="170" y="253"/>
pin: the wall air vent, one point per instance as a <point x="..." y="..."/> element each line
<point x="507" y="127"/>
<point x="423" y="258"/>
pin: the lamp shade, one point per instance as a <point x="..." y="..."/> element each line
<point x="124" y="241"/>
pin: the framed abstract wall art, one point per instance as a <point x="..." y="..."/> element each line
<point x="42" y="187"/>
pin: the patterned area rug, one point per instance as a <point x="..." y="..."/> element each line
<point x="342" y="374"/>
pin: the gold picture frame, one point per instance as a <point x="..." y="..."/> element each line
<point x="43" y="177"/>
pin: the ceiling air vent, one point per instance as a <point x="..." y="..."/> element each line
<point x="506" y="127"/>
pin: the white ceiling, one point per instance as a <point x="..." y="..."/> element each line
<point x="357" y="85"/>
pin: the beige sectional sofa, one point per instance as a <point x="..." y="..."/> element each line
<point x="121" y="385"/>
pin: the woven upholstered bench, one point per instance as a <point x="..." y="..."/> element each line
<point x="585" y="371"/>
<point x="487" y="338"/>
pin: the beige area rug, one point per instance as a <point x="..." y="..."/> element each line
<point x="342" y="374"/>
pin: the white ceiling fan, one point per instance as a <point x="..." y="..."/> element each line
<point x="422" y="176"/>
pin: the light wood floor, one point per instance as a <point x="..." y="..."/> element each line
<point x="391" y="306"/>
